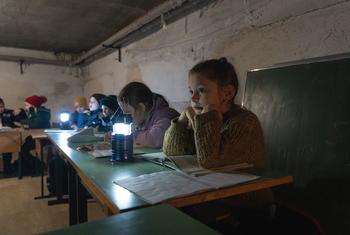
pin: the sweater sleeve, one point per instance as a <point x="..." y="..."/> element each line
<point x="178" y="140"/>
<point x="239" y="141"/>
<point x="153" y="137"/>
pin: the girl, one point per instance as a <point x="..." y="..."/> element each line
<point x="111" y="111"/>
<point x="218" y="131"/>
<point x="37" y="116"/>
<point x="150" y="112"/>
<point x="95" y="114"/>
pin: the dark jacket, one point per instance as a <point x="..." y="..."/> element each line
<point x="93" y="119"/>
<point x="78" y="119"/>
<point x="38" y="118"/>
<point x="7" y="118"/>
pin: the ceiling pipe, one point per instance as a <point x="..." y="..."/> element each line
<point x="167" y="13"/>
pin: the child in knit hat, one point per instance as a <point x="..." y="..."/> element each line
<point x="111" y="111"/>
<point x="78" y="118"/>
<point x="37" y="116"/>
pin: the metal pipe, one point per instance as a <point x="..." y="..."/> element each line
<point x="152" y="22"/>
<point x="32" y="60"/>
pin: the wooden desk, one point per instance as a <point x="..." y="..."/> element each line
<point x="161" y="219"/>
<point x="97" y="175"/>
<point x="10" y="141"/>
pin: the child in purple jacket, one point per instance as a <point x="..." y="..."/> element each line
<point x="150" y="112"/>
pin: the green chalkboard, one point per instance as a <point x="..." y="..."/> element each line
<point x="305" y="114"/>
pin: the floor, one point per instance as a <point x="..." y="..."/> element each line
<point x="21" y="214"/>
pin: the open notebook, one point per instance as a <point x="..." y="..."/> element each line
<point x="84" y="135"/>
<point x="160" y="186"/>
<point x="103" y="149"/>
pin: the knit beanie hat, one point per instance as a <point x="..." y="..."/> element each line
<point x="35" y="100"/>
<point x="81" y="101"/>
<point x="111" y="102"/>
<point x="98" y="97"/>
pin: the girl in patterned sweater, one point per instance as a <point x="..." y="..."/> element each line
<point x="218" y="131"/>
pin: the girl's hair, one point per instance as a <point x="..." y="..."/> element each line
<point x="2" y="101"/>
<point x="98" y="97"/>
<point x="137" y="92"/>
<point x="219" y="70"/>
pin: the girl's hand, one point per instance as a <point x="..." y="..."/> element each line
<point x="187" y="117"/>
<point x="17" y="111"/>
<point x="211" y="107"/>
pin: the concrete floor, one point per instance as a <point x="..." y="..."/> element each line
<point x="21" y="214"/>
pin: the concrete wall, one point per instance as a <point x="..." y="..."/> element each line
<point x="250" y="33"/>
<point x="59" y="84"/>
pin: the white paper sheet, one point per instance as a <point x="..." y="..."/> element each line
<point x="219" y="180"/>
<point x="160" y="186"/>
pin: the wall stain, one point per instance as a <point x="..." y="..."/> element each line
<point x="60" y="89"/>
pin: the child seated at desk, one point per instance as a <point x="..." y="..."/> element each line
<point x="150" y="112"/>
<point x="217" y="130"/>
<point x="111" y="111"/>
<point x="36" y="116"/>
<point x="79" y="117"/>
<point x="95" y="114"/>
<point x="7" y="119"/>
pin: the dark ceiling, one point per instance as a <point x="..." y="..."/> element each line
<point x="70" y="26"/>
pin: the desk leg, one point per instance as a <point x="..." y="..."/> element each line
<point x="38" y="141"/>
<point x="59" y="177"/>
<point x="72" y="188"/>
<point x="82" y="202"/>
<point x="19" y="165"/>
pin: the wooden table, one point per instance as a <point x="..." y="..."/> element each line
<point x="97" y="176"/>
<point x="161" y="219"/>
<point x="11" y="142"/>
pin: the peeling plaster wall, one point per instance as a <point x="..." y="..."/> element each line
<point x="250" y="33"/>
<point x="58" y="84"/>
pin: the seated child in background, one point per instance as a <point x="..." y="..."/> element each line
<point x="7" y="119"/>
<point x="111" y="111"/>
<point x="94" y="116"/>
<point x="79" y="117"/>
<point x="217" y="130"/>
<point x="36" y="117"/>
<point x="150" y="112"/>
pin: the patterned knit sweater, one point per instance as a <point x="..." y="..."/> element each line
<point x="236" y="139"/>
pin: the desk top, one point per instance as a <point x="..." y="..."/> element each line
<point x="98" y="174"/>
<point x="161" y="219"/>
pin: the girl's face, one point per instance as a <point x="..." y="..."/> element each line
<point x="205" y="92"/>
<point x="138" y="114"/>
<point x="79" y="108"/>
<point x="93" y="104"/>
<point x="27" y="106"/>
<point x="107" y="112"/>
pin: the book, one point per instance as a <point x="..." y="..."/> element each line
<point x="160" y="186"/>
<point x="84" y="135"/>
<point x="104" y="149"/>
<point x="189" y="164"/>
